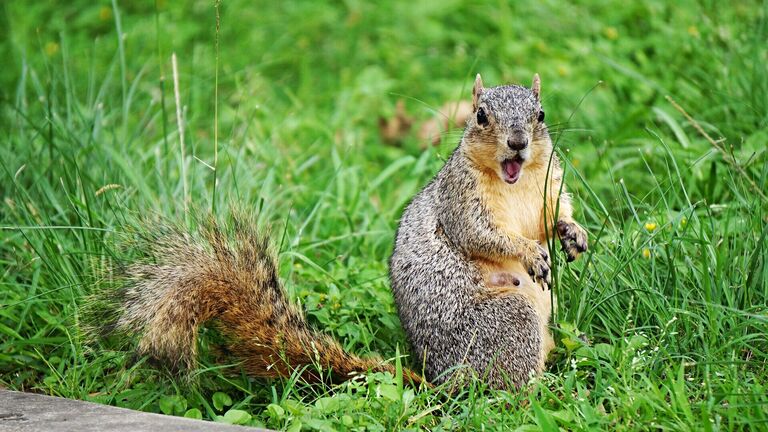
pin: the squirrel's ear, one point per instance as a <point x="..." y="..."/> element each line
<point x="477" y="90"/>
<point x="536" y="86"/>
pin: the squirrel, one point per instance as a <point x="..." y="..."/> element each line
<point x="468" y="272"/>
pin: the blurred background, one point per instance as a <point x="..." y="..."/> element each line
<point x="320" y="70"/>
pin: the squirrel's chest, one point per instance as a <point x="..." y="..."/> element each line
<point x="517" y="211"/>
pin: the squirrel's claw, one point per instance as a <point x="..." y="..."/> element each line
<point x="538" y="265"/>
<point x="573" y="239"/>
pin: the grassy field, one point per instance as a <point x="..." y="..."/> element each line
<point x="660" y="110"/>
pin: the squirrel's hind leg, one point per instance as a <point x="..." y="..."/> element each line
<point x="518" y="283"/>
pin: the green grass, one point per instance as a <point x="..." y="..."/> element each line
<point x="674" y="318"/>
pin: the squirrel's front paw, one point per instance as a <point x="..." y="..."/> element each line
<point x="536" y="261"/>
<point x="573" y="238"/>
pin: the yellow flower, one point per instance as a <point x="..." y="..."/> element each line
<point x="51" y="48"/>
<point x="683" y="222"/>
<point x="646" y="253"/>
<point x="650" y="226"/>
<point x="105" y="13"/>
<point x="693" y="31"/>
<point x="611" y="33"/>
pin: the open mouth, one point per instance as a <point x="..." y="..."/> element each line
<point x="510" y="169"/>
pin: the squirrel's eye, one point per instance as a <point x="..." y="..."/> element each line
<point x="541" y="116"/>
<point x="482" y="119"/>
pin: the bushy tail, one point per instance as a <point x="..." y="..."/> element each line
<point x="232" y="279"/>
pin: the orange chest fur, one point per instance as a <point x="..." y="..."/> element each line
<point x="516" y="209"/>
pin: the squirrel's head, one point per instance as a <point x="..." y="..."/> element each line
<point x="506" y="131"/>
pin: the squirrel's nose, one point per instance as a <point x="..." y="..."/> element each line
<point x="517" y="142"/>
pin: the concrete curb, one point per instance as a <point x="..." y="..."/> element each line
<point x="31" y="412"/>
